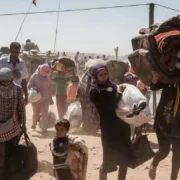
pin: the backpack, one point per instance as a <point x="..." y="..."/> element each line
<point x="146" y="56"/>
<point x="22" y="162"/>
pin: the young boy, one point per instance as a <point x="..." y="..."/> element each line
<point x="59" y="148"/>
<point x="70" y="154"/>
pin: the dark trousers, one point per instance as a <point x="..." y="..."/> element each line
<point x="165" y="143"/>
<point x="5" y="148"/>
<point x="121" y="174"/>
<point x="62" y="174"/>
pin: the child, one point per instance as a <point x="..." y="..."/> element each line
<point x="72" y="89"/>
<point x="59" y="149"/>
<point x="70" y="155"/>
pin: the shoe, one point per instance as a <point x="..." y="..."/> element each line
<point x="152" y="172"/>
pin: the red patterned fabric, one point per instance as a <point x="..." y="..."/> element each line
<point x="11" y="104"/>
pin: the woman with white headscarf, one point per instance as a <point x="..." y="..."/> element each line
<point x="12" y="115"/>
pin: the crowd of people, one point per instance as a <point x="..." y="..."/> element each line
<point x="99" y="102"/>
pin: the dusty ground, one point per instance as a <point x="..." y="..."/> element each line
<point x="95" y="156"/>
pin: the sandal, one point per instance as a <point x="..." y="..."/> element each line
<point x="152" y="172"/>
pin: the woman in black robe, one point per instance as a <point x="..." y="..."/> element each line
<point x="167" y="126"/>
<point x="115" y="133"/>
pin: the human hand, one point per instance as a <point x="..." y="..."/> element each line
<point x="155" y="77"/>
<point x="121" y="88"/>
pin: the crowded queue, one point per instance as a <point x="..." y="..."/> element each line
<point x="98" y="103"/>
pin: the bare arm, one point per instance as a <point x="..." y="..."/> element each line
<point x="24" y="87"/>
<point x="21" y="108"/>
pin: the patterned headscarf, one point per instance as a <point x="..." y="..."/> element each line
<point x="96" y="83"/>
<point x="43" y="70"/>
<point x="6" y="74"/>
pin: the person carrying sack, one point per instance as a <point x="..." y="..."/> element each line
<point x="167" y="126"/>
<point x="12" y="115"/>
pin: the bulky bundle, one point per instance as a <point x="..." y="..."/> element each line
<point x="64" y="66"/>
<point x="157" y="50"/>
<point x="132" y="106"/>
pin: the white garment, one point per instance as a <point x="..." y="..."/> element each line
<point x="20" y="67"/>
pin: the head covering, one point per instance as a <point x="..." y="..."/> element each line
<point x="6" y="74"/>
<point x="43" y="70"/>
<point x="96" y="83"/>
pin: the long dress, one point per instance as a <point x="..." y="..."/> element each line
<point x="164" y="120"/>
<point x="115" y="133"/>
<point x="167" y="126"/>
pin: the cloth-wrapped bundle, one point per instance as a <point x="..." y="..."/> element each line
<point x="162" y="43"/>
<point x="132" y="106"/>
<point x="63" y="67"/>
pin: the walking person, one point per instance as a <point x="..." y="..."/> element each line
<point x="41" y="82"/>
<point x="167" y="126"/>
<point x="18" y="67"/>
<point x="61" y="96"/>
<point x="115" y="133"/>
<point x="12" y="116"/>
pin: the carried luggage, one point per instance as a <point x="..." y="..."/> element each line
<point x="64" y="67"/>
<point x="74" y="114"/>
<point x="142" y="150"/>
<point x="22" y="162"/>
<point x="142" y="58"/>
<point x="151" y="50"/>
<point x="131" y="97"/>
<point x="34" y="96"/>
<point x="129" y="107"/>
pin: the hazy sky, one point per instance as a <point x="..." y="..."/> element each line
<point x="96" y="31"/>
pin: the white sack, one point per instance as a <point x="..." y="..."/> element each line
<point x="131" y="97"/>
<point x="33" y="96"/>
<point x="74" y="114"/>
<point x="136" y="120"/>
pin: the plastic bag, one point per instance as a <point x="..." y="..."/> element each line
<point x="131" y="97"/>
<point x="136" y="120"/>
<point x="74" y="114"/>
<point x="33" y="96"/>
